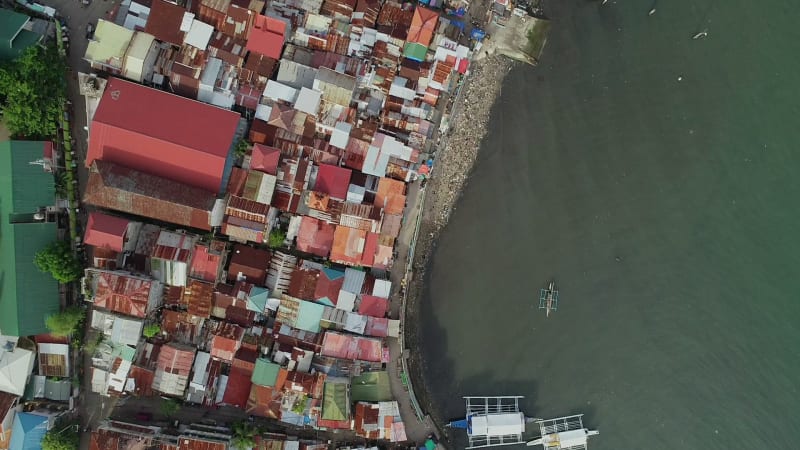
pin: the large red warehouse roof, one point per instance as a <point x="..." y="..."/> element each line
<point x="163" y="134"/>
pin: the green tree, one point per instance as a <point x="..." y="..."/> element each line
<point x="58" y="259"/>
<point x="151" y="330"/>
<point x="243" y="435"/>
<point x="170" y="407"/>
<point x="241" y="149"/>
<point x="66" y="322"/>
<point x="32" y="92"/>
<point x="276" y="238"/>
<point x="61" y="437"/>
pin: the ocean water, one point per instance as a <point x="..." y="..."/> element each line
<point x="655" y="178"/>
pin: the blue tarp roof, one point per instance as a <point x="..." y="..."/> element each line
<point x="28" y="431"/>
<point x="478" y="34"/>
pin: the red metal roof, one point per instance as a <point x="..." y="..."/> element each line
<point x="303" y="283"/>
<point x="370" y="247"/>
<point x="333" y="180"/>
<point x="162" y="134"/>
<point x="106" y="231"/>
<point x="348" y="245"/>
<point x="238" y="388"/>
<point x="265" y="159"/>
<point x="190" y="443"/>
<point x="198" y="296"/>
<point x="252" y="263"/>
<point x="315" y="236"/>
<point x="327" y="287"/>
<point x="267" y="36"/>
<point x="205" y="264"/>
<point x="373" y="306"/>
<point x="164" y="22"/>
<point x="224" y="348"/>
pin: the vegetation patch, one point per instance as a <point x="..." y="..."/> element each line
<point x="537" y="37"/>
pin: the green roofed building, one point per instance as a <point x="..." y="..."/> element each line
<point x="27" y="295"/>
<point x="335" y="400"/>
<point x="415" y="51"/>
<point x="371" y="387"/>
<point x="265" y="373"/>
<point x="14" y="37"/>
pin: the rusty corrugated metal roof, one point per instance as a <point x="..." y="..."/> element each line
<point x="122" y="189"/>
<point x="199" y="296"/>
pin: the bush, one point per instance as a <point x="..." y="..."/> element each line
<point x="66" y="322"/>
<point x="151" y="330"/>
<point x="243" y="436"/>
<point x="170" y="407"/>
<point x="61" y="437"/>
<point x="58" y="259"/>
<point x="276" y="238"/>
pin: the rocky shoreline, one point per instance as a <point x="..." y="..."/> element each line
<point x="454" y="160"/>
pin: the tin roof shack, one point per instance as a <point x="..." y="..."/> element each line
<point x="173" y="368"/>
<point x="26" y="195"/>
<point x="116" y="328"/>
<point x="198" y="296"/>
<point x="380" y="421"/>
<point x="248" y="264"/>
<point x="172" y="254"/>
<point x="122" y="292"/>
<point x="315" y="236"/>
<point x="53" y="360"/>
<point x="112" y="435"/>
<point x="127" y="190"/>
<point x="163" y="134"/>
<point x="8" y="404"/>
<point x="420" y="34"/>
<point x="239" y="382"/>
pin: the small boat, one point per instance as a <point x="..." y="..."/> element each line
<point x="548" y="298"/>
<point x="700" y="35"/>
<point x="493" y="421"/>
<point x="652" y="11"/>
<point x="563" y="433"/>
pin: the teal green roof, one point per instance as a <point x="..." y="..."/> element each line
<point x="27" y="295"/>
<point x="265" y="373"/>
<point x="13" y="39"/>
<point x="309" y="316"/>
<point x="371" y="387"/>
<point x="335" y="404"/>
<point x="415" y="51"/>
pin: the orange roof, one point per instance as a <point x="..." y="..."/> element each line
<point x="423" y="26"/>
<point x="199" y="295"/>
<point x="391" y="195"/>
<point x="267" y="37"/>
<point x="348" y="245"/>
<point x="175" y="360"/>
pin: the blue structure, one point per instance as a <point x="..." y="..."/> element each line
<point x="478" y="34"/>
<point x="28" y="431"/>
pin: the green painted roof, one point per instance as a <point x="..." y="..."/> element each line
<point x="415" y="51"/>
<point x="309" y="315"/>
<point x="27" y="295"/>
<point x="371" y="387"/>
<point x="13" y="40"/>
<point x="335" y="404"/>
<point x="265" y="373"/>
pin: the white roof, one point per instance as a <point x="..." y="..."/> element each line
<point x="341" y="134"/>
<point x="382" y="288"/>
<point x="279" y="91"/>
<point x="355" y="323"/>
<point x="186" y="22"/>
<point x="355" y="193"/>
<point x="346" y="301"/>
<point x="498" y="424"/>
<point x="308" y="101"/>
<point x="199" y="35"/>
<point x="263" y="112"/>
<point x="200" y="374"/>
<point x="15" y="366"/>
<point x="126" y="331"/>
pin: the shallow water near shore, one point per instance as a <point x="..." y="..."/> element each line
<point x="655" y="178"/>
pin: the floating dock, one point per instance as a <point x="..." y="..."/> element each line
<point x="548" y="298"/>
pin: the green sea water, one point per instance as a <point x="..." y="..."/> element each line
<point x="657" y="179"/>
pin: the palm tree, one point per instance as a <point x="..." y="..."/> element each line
<point x="243" y="436"/>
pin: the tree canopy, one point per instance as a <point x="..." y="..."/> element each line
<point x="243" y="436"/>
<point x="58" y="259"/>
<point x="170" y="407"/>
<point x="32" y="92"/>
<point x="61" y="438"/>
<point x="66" y="322"/>
<point x="276" y="238"/>
<point x="150" y="330"/>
